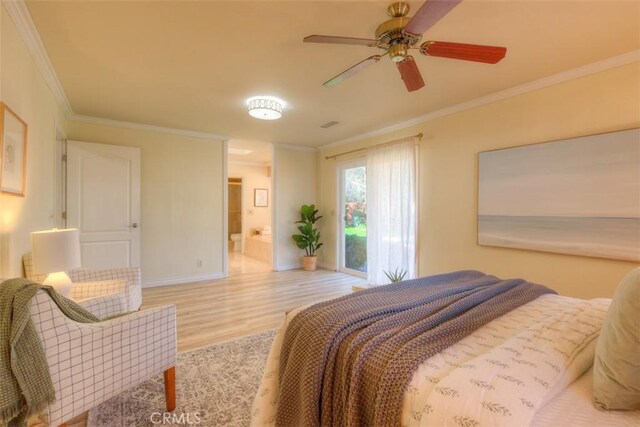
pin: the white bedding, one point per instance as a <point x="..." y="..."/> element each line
<point x="573" y="407"/>
<point x="502" y="374"/>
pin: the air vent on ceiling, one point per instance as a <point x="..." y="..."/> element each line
<point x="329" y="124"/>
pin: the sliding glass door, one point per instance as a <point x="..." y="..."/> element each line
<point x="353" y="218"/>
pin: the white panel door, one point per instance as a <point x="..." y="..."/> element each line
<point x="103" y="202"/>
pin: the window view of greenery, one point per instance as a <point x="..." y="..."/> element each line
<point x="355" y="215"/>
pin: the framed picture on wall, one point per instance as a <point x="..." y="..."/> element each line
<point x="578" y="196"/>
<point x="13" y="141"/>
<point x="261" y="197"/>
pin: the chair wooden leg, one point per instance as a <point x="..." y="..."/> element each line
<point x="170" y="388"/>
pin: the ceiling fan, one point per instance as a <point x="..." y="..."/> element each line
<point x="398" y="35"/>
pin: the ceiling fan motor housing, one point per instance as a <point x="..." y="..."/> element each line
<point x="391" y="30"/>
<point x="398" y="9"/>
<point x="391" y="34"/>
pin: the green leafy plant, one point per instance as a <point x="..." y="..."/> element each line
<point x="309" y="238"/>
<point x="397" y="275"/>
<point x="355" y="252"/>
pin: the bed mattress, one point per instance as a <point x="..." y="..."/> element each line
<point x="520" y="369"/>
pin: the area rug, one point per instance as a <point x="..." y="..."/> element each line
<point x="215" y="386"/>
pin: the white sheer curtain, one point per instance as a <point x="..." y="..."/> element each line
<point x="391" y="210"/>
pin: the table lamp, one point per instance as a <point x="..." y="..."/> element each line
<point x="54" y="253"/>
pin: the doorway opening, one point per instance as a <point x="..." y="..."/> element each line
<point x="249" y="207"/>
<point x="353" y="218"/>
<point x="235" y="214"/>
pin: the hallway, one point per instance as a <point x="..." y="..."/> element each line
<point x="240" y="264"/>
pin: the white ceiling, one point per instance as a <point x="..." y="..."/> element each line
<point x="260" y="151"/>
<point x="191" y="65"/>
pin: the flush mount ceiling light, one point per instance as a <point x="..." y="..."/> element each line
<point x="265" y="107"/>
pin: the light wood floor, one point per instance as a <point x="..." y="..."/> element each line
<point x="244" y="303"/>
<point x="240" y="264"/>
<point x="252" y="299"/>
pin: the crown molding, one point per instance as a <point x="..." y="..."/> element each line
<point x="21" y="17"/>
<point x="296" y="147"/>
<point x="565" y="76"/>
<point x="148" y="128"/>
<point x="19" y="13"/>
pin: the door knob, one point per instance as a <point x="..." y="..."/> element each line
<point x="134" y="225"/>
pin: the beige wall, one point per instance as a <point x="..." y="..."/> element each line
<point x="252" y="177"/>
<point x="182" y="200"/>
<point x="24" y="90"/>
<point x="182" y="180"/>
<point x="602" y="102"/>
<point x="294" y="182"/>
<point x="2" y="259"/>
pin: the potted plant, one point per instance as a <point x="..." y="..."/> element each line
<point x="395" y="276"/>
<point x="309" y="238"/>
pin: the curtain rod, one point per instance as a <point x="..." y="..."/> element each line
<point x="419" y="136"/>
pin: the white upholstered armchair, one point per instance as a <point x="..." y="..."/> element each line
<point x="90" y="284"/>
<point x="90" y="363"/>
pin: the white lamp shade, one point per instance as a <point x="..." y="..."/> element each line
<point x="55" y="250"/>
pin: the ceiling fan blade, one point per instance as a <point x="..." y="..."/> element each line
<point x="410" y="74"/>
<point x="352" y="71"/>
<point x="428" y="14"/>
<point x="340" y="40"/>
<point x="464" y="51"/>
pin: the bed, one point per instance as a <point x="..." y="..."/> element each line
<point x="530" y="366"/>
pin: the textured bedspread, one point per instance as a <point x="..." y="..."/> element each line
<point x="348" y="361"/>
<point x="505" y="373"/>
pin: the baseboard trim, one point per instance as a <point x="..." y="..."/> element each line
<point x="327" y="266"/>
<point x="181" y="280"/>
<point x="289" y="266"/>
<point x="297" y="266"/>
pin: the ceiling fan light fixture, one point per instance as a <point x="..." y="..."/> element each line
<point x="265" y="107"/>
<point x="398" y="53"/>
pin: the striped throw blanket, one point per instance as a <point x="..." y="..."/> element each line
<point x="348" y="361"/>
